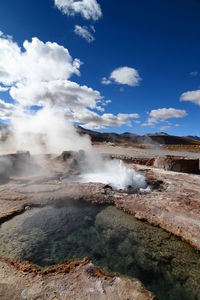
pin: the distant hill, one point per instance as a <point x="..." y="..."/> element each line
<point x="128" y="138"/>
<point x="132" y="138"/>
<point x="197" y="138"/>
<point x="98" y="136"/>
<point x="158" y="134"/>
<point x="173" y="140"/>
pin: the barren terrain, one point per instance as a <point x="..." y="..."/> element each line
<point x="173" y="204"/>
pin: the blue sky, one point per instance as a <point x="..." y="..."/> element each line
<point x="158" y="39"/>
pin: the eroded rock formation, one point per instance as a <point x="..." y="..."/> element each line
<point x="177" y="164"/>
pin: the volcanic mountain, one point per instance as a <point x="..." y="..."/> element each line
<point x="132" y="138"/>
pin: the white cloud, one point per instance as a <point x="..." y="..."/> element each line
<point x="93" y="120"/>
<point x="123" y="75"/>
<point x="39" y="75"/>
<point x="40" y="61"/>
<point x="137" y="122"/>
<point x="92" y="28"/>
<point x="163" y="128"/>
<point x="83" y="31"/>
<point x="105" y="102"/>
<point x="3" y="89"/>
<point x="191" y="96"/>
<point x="9" y="37"/>
<point x="163" y="114"/>
<point x="56" y="92"/>
<point x="167" y="113"/>
<point x="89" y="9"/>
<point x="106" y="81"/>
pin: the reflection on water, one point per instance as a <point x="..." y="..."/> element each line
<point x="112" y="239"/>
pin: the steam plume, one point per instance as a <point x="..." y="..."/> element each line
<point x="46" y="103"/>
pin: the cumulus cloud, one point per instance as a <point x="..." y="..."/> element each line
<point x="83" y="31"/>
<point x="191" y="96"/>
<point x="123" y="75"/>
<point x="39" y="61"/>
<point x="39" y="75"/>
<point x="163" y="114"/>
<point x="56" y="92"/>
<point x="88" y="9"/>
<point x="93" y="120"/>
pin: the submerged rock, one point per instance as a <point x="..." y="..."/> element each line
<point x="116" y="242"/>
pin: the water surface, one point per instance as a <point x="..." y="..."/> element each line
<point x="115" y="241"/>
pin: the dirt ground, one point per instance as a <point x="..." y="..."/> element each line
<point x="173" y="204"/>
<point x="142" y="151"/>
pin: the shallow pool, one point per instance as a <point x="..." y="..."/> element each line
<point x="115" y="241"/>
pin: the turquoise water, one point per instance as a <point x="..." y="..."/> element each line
<point x="115" y="241"/>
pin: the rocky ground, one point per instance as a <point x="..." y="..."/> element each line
<point x="173" y="204"/>
<point x="147" y="151"/>
<point x="79" y="280"/>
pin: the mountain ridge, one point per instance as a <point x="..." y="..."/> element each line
<point x="128" y="137"/>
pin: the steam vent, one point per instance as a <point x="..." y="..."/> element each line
<point x="58" y="225"/>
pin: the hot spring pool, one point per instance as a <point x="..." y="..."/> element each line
<point x="115" y="241"/>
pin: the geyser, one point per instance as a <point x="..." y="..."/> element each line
<point x="48" y="131"/>
<point x="92" y="167"/>
<point x="117" y="175"/>
<point x="45" y="104"/>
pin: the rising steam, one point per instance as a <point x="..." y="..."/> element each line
<point x="47" y="131"/>
<point x="117" y="175"/>
<point x="46" y="104"/>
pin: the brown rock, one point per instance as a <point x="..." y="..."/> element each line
<point x="81" y="282"/>
<point x="177" y="164"/>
